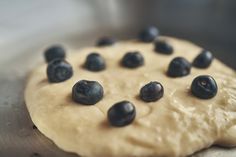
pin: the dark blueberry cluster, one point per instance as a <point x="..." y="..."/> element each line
<point x="105" y="41"/>
<point x="122" y="113"/>
<point x="87" y="92"/>
<point x="148" y="34"/>
<point x="59" y="70"/>
<point x="95" y="62"/>
<point x="132" y="60"/>
<point x="163" y="48"/>
<point x="203" y="60"/>
<point x="152" y="91"/>
<point x="204" y="87"/>
<point x="54" y="52"/>
<point x="179" y="67"/>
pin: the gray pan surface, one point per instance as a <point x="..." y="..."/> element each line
<point x="19" y="137"/>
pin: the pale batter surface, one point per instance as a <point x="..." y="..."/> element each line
<point x="178" y="124"/>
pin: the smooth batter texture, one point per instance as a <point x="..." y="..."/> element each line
<point x="177" y="125"/>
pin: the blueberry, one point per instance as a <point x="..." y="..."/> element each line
<point x="106" y="41"/>
<point x="132" y="60"/>
<point x="54" y="52"/>
<point x="204" y="87"/>
<point x="95" y="62"/>
<point x="179" y="67"/>
<point x="87" y="92"/>
<point x="163" y="48"/>
<point x="152" y="91"/>
<point x="149" y="34"/>
<point x="59" y="70"/>
<point x="121" y="114"/>
<point x="203" y="60"/>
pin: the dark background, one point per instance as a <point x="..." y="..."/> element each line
<point x="208" y="23"/>
<point x="33" y="25"/>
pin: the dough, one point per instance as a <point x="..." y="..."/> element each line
<point x="179" y="124"/>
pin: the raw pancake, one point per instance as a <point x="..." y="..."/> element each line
<point x="179" y="124"/>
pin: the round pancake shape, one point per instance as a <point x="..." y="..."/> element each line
<point x="178" y="124"/>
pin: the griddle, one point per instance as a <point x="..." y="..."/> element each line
<point x="121" y="19"/>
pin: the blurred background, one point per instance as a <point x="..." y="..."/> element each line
<point x="27" y="27"/>
<point x="28" y="24"/>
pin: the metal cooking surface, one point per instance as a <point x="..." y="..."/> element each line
<point x="19" y="138"/>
